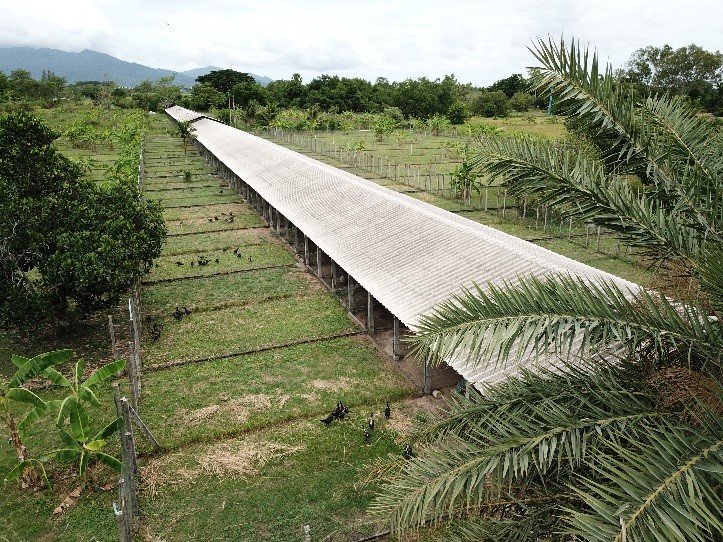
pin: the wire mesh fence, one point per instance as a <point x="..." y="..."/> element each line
<point x="471" y="194"/>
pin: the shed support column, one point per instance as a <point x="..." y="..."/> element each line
<point x="370" y="314"/>
<point x="427" y="375"/>
<point x="350" y="293"/>
<point x="296" y="239"/>
<point x="318" y="262"/>
<point x="396" y="344"/>
<point x="306" y="250"/>
<point x="333" y="276"/>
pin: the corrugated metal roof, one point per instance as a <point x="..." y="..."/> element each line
<point x="182" y="114"/>
<point x="408" y="254"/>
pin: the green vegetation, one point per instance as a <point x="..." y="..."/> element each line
<point x="234" y="389"/>
<point x="68" y="245"/>
<point x="621" y="437"/>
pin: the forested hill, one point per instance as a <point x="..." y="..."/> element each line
<point x="93" y="66"/>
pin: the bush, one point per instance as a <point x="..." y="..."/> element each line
<point x="491" y="104"/>
<point x="458" y="113"/>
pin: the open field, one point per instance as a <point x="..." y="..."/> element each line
<point x="240" y="431"/>
<point x="234" y="391"/>
<point x="420" y="165"/>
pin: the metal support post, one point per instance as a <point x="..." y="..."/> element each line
<point x="370" y="314"/>
<point x="333" y="276"/>
<point x="307" y="261"/>
<point x="396" y="343"/>
<point x="350" y="293"/>
<point x="318" y="262"/>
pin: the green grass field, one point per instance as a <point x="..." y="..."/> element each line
<point x="235" y="391"/>
<point x="241" y="434"/>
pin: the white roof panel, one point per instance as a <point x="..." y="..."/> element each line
<point x="408" y="254"/>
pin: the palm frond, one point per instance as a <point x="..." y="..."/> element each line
<point x="667" y="487"/>
<point x="499" y="449"/>
<point x="581" y="89"/>
<point x="603" y="394"/>
<point x="521" y="524"/>
<point x="579" y="187"/>
<point x="657" y="140"/>
<point x="571" y="316"/>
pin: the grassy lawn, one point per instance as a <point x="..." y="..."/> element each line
<point x="235" y="395"/>
<point x="244" y="454"/>
<point x="265" y="485"/>
<point x="240" y="329"/>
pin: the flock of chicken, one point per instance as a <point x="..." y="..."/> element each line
<point x="342" y="411"/>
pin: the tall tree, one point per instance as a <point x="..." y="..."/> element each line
<point x="224" y="80"/>
<point x="687" y="71"/>
<point x="510" y="85"/>
<point x="598" y="447"/>
<point x="66" y="243"/>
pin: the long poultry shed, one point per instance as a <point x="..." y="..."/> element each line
<point x="409" y="255"/>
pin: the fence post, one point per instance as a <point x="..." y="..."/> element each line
<point x="133" y="376"/>
<point x="128" y="483"/>
<point x="133" y="467"/>
<point x="597" y="249"/>
<point x="113" y="345"/>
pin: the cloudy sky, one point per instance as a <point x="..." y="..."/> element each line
<point x="480" y="41"/>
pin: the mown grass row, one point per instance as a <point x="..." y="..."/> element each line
<point x="242" y="433"/>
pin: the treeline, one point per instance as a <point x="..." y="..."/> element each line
<point x="20" y="89"/>
<point x="419" y="98"/>
<point x="688" y="71"/>
<point x="224" y="90"/>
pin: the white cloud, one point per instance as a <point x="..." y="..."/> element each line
<point x="479" y="41"/>
<point x="70" y="25"/>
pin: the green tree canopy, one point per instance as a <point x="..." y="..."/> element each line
<point x="687" y="71"/>
<point x="224" y="80"/>
<point x="491" y="104"/>
<point x="510" y="85"/>
<point x="288" y="92"/>
<point x="156" y="95"/>
<point x="66" y="244"/>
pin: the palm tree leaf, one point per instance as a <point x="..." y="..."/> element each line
<point x="499" y="447"/>
<point x="660" y="488"/>
<point x="581" y="189"/>
<point x="658" y="141"/>
<point x="573" y="316"/>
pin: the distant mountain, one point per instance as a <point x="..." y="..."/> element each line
<point x="94" y="66"/>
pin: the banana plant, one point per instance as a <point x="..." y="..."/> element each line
<point x="72" y="418"/>
<point x="28" y="368"/>
<point x="78" y="443"/>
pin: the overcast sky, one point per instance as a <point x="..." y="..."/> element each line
<point x="479" y="41"/>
